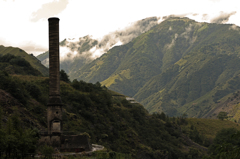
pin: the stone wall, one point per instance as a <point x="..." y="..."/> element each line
<point x="73" y="143"/>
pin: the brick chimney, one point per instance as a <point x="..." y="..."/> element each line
<point x="54" y="111"/>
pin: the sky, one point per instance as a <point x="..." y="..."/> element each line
<point x="24" y="23"/>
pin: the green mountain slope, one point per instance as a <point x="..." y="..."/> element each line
<point x="35" y="63"/>
<point x="172" y="65"/>
<point x="76" y="52"/>
<point x="106" y="116"/>
<point x="17" y="65"/>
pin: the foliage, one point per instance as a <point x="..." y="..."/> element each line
<point x="17" y="65"/>
<point x="47" y="151"/>
<point x="63" y="76"/>
<point x="20" y="59"/>
<point x="17" y="141"/>
<point x="222" y="115"/>
<point x="177" y="65"/>
<point x="226" y="144"/>
<point x="112" y="121"/>
<point x="13" y="86"/>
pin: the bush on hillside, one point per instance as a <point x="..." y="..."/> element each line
<point x="222" y="115"/>
<point x="226" y="144"/>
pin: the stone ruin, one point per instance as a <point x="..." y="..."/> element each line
<point x="54" y="136"/>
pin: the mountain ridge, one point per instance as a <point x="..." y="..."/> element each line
<point x="177" y="50"/>
<point x="35" y="63"/>
<point x="75" y="52"/>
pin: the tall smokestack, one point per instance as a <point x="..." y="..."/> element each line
<point x="54" y="113"/>
<point x="54" y="81"/>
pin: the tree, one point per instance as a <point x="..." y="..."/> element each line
<point x="163" y="116"/>
<point x="222" y="115"/>
<point x="64" y="77"/>
<point x="47" y="151"/>
<point x="2" y="136"/>
<point x="15" y="140"/>
<point x="226" y="144"/>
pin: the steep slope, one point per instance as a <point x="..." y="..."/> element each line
<point x="35" y="63"/>
<point x="17" y="65"/>
<point x="194" y="76"/>
<point x="106" y="116"/>
<point x="138" y="61"/>
<point x="171" y="65"/>
<point x="75" y="52"/>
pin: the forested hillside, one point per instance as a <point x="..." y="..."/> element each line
<point x="123" y="127"/>
<point x="179" y="66"/>
<point x="32" y="60"/>
<point x="107" y="117"/>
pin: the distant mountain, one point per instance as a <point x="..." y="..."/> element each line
<point x="76" y="52"/>
<point x="34" y="62"/>
<point x="179" y="66"/>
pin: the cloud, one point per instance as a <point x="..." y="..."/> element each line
<point x="215" y="0"/>
<point x="205" y="17"/>
<point x="178" y="15"/>
<point x="127" y="34"/>
<point x="31" y="47"/>
<point x="86" y="49"/>
<point x="234" y="27"/>
<point x="89" y="48"/>
<point x="72" y="48"/>
<point x="49" y="9"/>
<point x="188" y="29"/>
<point x="45" y="62"/>
<point x="3" y="42"/>
<point x="222" y="18"/>
<point x="188" y="34"/>
<point x="168" y="46"/>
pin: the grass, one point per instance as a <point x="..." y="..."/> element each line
<point x="32" y="60"/>
<point x="29" y="77"/>
<point x="210" y="127"/>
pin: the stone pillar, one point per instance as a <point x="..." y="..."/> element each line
<point x="54" y="111"/>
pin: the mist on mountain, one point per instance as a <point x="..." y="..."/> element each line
<point x="85" y="49"/>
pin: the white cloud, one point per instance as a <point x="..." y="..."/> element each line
<point x="168" y="46"/>
<point x="49" y="9"/>
<point x="222" y="17"/>
<point x="26" y="20"/>
<point x="31" y="47"/>
<point x="234" y="27"/>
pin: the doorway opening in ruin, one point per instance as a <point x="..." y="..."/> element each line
<point x="56" y="126"/>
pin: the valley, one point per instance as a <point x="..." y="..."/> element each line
<point x="178" y="66"/>
<point x="181" y="74"/>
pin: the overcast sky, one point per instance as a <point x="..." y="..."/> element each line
<point x="24" y="23"/>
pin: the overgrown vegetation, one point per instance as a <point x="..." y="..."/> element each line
<point x="16" y="140"/>
<point x="226" y="145"/>
<point x="19" y="53"/>
<point x="124" y="128"/>
<point x="17" y="65"/>
<point x="110" y="120"/>
<point x="177" y="66"/>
